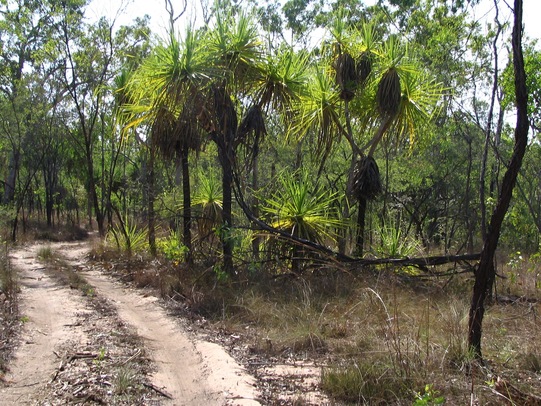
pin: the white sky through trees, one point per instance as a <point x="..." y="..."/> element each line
<point x="159" y="17"/>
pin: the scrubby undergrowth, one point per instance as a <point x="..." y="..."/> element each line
<point x="377" y="336"/>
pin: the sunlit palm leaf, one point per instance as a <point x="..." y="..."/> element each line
<point x="318" y="113"/>
<point x="208" y="202"/>
<point x="235" y="43"/>
<point x="301" y="210"/>
<point x="173" y="75"/>
<point x="419" y="102"/>
<point x="281" y="79"/>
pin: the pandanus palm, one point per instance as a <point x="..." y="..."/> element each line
<point x="304" y="210"/>
<point x="235" y="50"/>
<point x="386" y="93"/>
<point x="164" y="91"/>
<point x="397" y="101"/>
<point x="281" y="75"/>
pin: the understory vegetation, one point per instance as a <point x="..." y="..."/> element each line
<point x="379" y="335"/>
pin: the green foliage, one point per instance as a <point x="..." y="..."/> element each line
<point x="45" y="253"/>
<point x="302" y="209"/>
<point x="128" y="236"/>
<point x="172" y="248"/>
<point x="429" y="397"/>
<point x="532" y="65"/>
<point x="363" y="382"/>
<point x="395" y="244"/>
<point x="125" y="379"/>
<point x="207" y="202"/>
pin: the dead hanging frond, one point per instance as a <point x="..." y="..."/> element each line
<point x="163" y="131"/>
<point x="250" y="133"/>
<point x="364" y="67"/>
<point x="252" y="123"/>
<point x="346" y="75"/>
<point x="366" y="179"/>
<point x="173" y="132"/>
<point x="224" y="113"/>
<point x="389" y="93"/>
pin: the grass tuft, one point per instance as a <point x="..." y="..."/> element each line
<point x="45" y="253"/>
<point x="364" y="382"/>
<point x="125" y="379"/>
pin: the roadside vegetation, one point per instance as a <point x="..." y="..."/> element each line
<point x="378" y="334"/>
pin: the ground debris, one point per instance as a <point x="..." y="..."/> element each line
<point x="110" y="367"/>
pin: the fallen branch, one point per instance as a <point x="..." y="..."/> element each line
<point x="418" y="261"/>
<point x="68" y="359"/>
<point x="516" y="395"/>
<point x="160" y="391"/>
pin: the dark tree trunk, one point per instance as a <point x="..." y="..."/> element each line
<point x="227" y="183"/>
<point x="186" y="201"/>
<point x="151" y="195"/>
<point x="256" y="241"/>
<point x="94" y="196"/>
<point x="361" y="225"/>
<point x="488" y="131"/>
<point x="485" y="271"/>
<point x="11" y="178"/>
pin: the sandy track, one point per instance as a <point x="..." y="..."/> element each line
<point x="49" y="311"/>
<point x="193" y="371"/>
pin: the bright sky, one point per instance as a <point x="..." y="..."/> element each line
<point x="160" y="18"/>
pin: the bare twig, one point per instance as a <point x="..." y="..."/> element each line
<point x="160" y="391"/>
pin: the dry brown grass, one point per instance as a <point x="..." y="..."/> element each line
<point x="9" y="314"/>
<point x="386" y="336"/>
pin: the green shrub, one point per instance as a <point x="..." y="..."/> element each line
<point x="172" y="248"/>
<point x="128" y="237"/>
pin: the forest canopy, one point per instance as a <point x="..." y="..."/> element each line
<point x="246" y="140"/>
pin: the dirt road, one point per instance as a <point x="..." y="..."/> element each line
<point x="186" y="369"/>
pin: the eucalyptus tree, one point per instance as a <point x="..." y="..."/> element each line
<point x="485" y="272"/>
<point x="91" y="55"/>
<point x="28" y="30"/>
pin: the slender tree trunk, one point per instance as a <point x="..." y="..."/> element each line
<point x="361" y="220"/>
<point x="11" y="178"/>
<point x="256" y="241"/>
<point x="467" y="198"/>
<point x="186" y="201"/>
<point x="488" y="131"/>
<point x="485" y="271"/>
<point x="151" y="195"/>
<point x="94" y="199"/>
<point x="227" y="182"/>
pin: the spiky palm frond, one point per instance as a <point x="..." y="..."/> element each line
<point x="318" y="112"/>
<point x="282" y="77"/>
<point x="339" y="27"/>
<point x="301" y="209"/>
<point x="235" y="43"/>
<point x="419" y="103"/>
<point x="163" y="91"/>
<point x="208" y="204"/>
